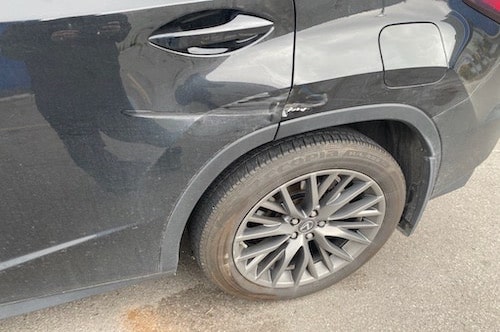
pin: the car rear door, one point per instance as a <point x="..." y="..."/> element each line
<point x="107" y="110"/>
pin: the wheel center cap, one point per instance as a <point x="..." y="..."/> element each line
<point x="306" y="226"/>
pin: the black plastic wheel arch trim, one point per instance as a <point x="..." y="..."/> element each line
<point x="410" y="115"/>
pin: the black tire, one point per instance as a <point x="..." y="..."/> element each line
<point x="325" y="156"/>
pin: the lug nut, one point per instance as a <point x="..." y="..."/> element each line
<point x="294" y="235"/>
<point x="314" y="213"/>
<point x="309" y="236"/>
<point x="294" y="221"/>
<point x="322" y="223"/>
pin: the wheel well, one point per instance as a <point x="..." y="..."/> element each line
<point x="395" y="137"/>
<point x="398" y="128"/>
<point x="407" y="147"/>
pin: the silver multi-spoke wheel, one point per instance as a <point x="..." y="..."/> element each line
<point x="308" y="228"/>
<point x="298" y="215"/>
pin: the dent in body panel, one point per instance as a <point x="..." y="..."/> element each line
<point x="86" y="168"/>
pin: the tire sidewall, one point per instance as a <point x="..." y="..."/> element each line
<point x="363" y="158"/>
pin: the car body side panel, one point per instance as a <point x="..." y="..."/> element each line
<point x="88" y="177"/>
<point x="458" y="93"/>
<point x="348" y="65"/>
<point x="107" y="143"/>
<point x="474" y="124"/>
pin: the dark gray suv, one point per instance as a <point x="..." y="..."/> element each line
<point x="286" y="138"/>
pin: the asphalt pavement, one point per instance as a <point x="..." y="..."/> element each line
<point x="445" y="277"/>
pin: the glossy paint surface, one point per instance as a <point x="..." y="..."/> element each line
<point x="86" y="189"/>
<point x="107" y="141"/>
<point x="460" y="92"/>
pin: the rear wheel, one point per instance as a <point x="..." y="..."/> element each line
<point x="298" y="215"/>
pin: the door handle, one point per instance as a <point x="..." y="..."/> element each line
<point x="235" y="32"/>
